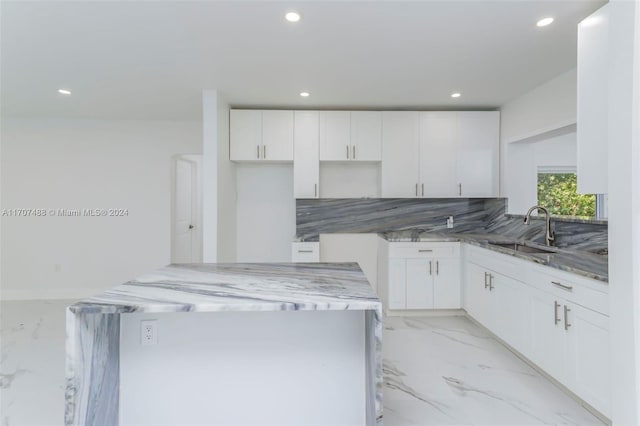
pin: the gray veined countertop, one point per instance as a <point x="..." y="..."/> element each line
<point x="239" y="287"/>
<point x="580" y="262"/>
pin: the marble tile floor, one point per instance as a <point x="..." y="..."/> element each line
<point x="438" y="371"/>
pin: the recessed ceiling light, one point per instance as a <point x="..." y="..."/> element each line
<point x="304" y="94"/>
<point x="544" y="22"/>
<point x="292" y="16"/>
<point x="64" y="91"/>
<point x="455" y="95"/>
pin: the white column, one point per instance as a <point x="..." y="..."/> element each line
<point x="209" y="176"/>
<point x="624" y="209"/>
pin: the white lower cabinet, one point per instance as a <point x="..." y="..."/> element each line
<point x="422" y="276"/>
<point x="556" y="319"/>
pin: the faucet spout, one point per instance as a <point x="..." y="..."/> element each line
<point x="549" y="235"/>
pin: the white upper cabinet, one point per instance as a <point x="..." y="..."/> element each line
<point x="366" y="135"/>
<point x="438" y="144"/>
<point x="350" y="136"/>
<point x="478" y="165"/>
<point x="592" y="127"/>
<point x="400" y="154"/>
<point x="257" y="135"/>
<point x="457" y="154"/>
<point x="306" y="164"/>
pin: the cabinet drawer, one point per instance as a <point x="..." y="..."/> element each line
<point x="504" y="264"/>
<point x="305" y="252"/>
<point x="570" y="287"/>
<point x="413" y="250"/>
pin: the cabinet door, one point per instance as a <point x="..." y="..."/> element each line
<point x="400" y="153"/>
<point x="548" y="340"/>
<point x="277" y="135"/>
<point x="306" y="165"/>
<point x="446" y="284"/>
<point x="511" y="312"/>
<point x="438" y="140"/>
<point x="478" y="148"/>
<point x="245" y="135"/>
<point x="420" y="283"/>
<point x="366" y="135"/>
<point x="477" y="293"/>
<point x="335" y="136"/>
<point x="397" y="286"/>
<point x="588" y="356"/>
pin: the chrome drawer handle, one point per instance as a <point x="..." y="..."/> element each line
<point x="424" y="251"/>
<point x="562" y="286"/>
<point x="305" y="251"/>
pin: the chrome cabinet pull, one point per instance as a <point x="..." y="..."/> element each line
<point x="416" y="189"/>
<point x="424" y="251"/>
<point x="486" y="274"/>
<point x="258" y="152"/>
<point x="490" y="282"/>
<point x="354" y="153"/>
<point x="437" y="267"/>
<point x="305" y="251"/>
<point x="430" y="266"/>
<point x="315" y="189"/>
<point x="460" y="189"/>
<point x="566" y="317"/>
<point x="423" y="189"/>
<point x="264" y="152"/>
<point x="562" y="286"/>
<point x="347" y="152"/>
<point x="556" y="305"/>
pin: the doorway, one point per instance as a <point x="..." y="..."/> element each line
<point x="186" y="223"/>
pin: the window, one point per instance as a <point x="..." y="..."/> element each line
<point x="557" y="192"/>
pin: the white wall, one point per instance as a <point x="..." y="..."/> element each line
<point x="76" y="164"/>
<point x="245" y="368"/>
<point x="545" y="111"/>
<point x="266" y="212"/>
<point x="521" y="167"/>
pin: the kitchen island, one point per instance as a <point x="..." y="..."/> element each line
<point x="231" y="344"/>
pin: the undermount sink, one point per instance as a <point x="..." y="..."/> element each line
<point x="524" y="248"/>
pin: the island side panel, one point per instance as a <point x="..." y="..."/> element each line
<point x="92" y="369"/>
<point x="373" y="347"/>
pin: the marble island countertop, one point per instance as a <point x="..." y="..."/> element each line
<point x="580" y="262"/>
<point x="239" y="287"/>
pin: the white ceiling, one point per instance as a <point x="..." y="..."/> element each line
<point x="151" y="60"/>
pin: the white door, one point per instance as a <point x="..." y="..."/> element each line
<point x="511" y="305"/>
<point x="420" y="283"/>
<point x="366" y="135"/>
<point x="446" y="284"/>
<point x="186" y="230"/>
<point x="245" y="135"/>
<point x="306" y="164"/>
<point x="277" y="135"/>
<point x="477" y="297"/>
<point x="335" y="138"/>
<point x="438" y="150"/>
<point x="400" y="154"/>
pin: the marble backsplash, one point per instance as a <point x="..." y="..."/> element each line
<point x="471" y="215"/>
<point x="375" y="215"/>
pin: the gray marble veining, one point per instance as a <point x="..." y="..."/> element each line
<point x="374" y="215"/>
<point x="93" y="324"/>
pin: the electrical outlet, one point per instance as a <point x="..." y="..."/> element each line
<point x="450" y="222"/>
<point x="149" y="332"/>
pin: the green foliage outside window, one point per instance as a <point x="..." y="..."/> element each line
<point x="557" y="192"/>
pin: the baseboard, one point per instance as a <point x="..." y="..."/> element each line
<point x="48" y="294"/>
<point x="531" y="364"/>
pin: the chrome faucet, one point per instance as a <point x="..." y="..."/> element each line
<point x="549" y="236"/>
